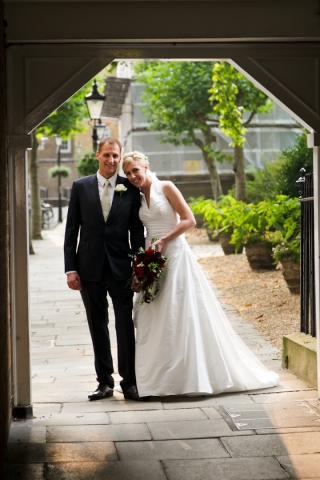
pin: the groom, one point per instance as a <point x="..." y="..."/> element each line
<point x="103" y="211"/>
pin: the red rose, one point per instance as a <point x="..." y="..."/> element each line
<point x="140" y="272"/>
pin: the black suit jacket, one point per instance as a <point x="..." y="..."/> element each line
<point x="97" y="237"/>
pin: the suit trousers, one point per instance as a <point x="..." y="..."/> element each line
<point x="94" y="296"/>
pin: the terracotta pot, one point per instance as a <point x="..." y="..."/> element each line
<point x="291" y="274"/>
<point x="212" y="236"/>
<point x="260" y="256"/>
<point x="228" y="248"/>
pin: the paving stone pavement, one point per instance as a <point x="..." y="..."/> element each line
<point x="269" y="434"/>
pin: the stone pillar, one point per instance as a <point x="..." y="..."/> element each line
<point x="5" y="339"/>
<point x="18" y="201"/>
<point x="314" y="142"/>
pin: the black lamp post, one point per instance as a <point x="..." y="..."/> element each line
<point x="58" y="144"/>
<point x="94" y="101"/>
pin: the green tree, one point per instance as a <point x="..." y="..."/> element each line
<point x="233" y="95"/>
<point x="178" y="105"/>
<point x="265" y="183"/>
<point x="65" y="121"/>
<point x="293" y="159"/>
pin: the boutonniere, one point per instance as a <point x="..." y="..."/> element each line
<point x="120" y="188"/>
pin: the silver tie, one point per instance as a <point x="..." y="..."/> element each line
<point x="105" y="201"/>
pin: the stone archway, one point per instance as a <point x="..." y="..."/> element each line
<point x="42" y="77"/>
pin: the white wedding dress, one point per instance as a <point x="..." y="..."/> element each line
<point x="185" y="344"/>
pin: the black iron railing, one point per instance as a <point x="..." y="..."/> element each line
<point x="307" y="278"/>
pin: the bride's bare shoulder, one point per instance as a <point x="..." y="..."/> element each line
<point x="168" y="186"/>
<point x="171" y="191"/>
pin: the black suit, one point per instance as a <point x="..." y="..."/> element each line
<point x="103" y="264"/>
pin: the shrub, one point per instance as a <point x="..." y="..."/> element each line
<point x="293" y="159"/>
<point x="88" y="165"/>
<point x="218" y="216"/>
<point x="270" y="221"/>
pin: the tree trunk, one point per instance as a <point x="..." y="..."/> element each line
<point x="31" y="250"/>
<point x="240" y="174"/>
<point x="35" y="189"/>
<point x="214" y="176"/>
<point x="208" y="156"/>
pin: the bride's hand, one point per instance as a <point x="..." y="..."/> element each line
<point x="159" y="244"/>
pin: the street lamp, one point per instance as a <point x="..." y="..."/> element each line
<point x="94" y="101"/>
<point x="58" y="140"/>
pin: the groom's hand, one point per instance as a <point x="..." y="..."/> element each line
<point x="73" y="281"/>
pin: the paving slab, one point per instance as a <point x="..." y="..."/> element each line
<point x="285" y="397"/>
<point x="269" y="445"/>
<point x="97" y="433"/>
<point x="301" y="466"/>
<point x="25" y="472"/>
<point x="67" y="419"/>
<point x="27" y="434"/>
<point x="42" y="380"/>
<point x="205" y="401"/>
<point x="110" y="406"/>
<point x="61" y="452"/>
<point x="44" y="408"/>
<point x="212" y="413"/>
<point x="258" y="423"/>
<point x="136" y="470"/>
<point x="262" y="410"/>
<point x="191" y="429"/>
<point x="158" y="416"/>
<point x="258" y="468"/>
<point x="278" y="431"/>
<point x="44" y="396"/>
<point x="171" y="449"/>
<point x="60" y="388"/>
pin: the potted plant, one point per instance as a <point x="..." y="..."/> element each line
<point x="219" y="219"/>
<point x="259" y="228"/>
<point x="223" y="218"/>
<point x="288" y="254"/>
<point x="287" y="251"/>
<point x="199" y="206"/>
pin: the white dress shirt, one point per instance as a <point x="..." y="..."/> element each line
<point x="112" y="184"/>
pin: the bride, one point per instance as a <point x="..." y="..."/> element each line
<point x="185" y="343"/>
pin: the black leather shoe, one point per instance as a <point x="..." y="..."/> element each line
<point x="132" y="394"/>
<point x="103" y="391"/>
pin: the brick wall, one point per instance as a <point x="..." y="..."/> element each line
<point x="5" y="353"/>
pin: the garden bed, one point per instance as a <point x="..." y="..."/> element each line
<point x="261" y="297"/>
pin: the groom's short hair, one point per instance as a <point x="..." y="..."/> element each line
<point x="112" y="141"/>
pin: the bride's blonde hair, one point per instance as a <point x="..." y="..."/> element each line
<point x="134" y="157"/>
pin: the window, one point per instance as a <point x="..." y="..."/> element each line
<point x="66" y="146"/>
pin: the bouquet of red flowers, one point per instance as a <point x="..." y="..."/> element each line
<point x="148" y="268"/>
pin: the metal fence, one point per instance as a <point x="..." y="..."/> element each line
<point x="307" y="279"/>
